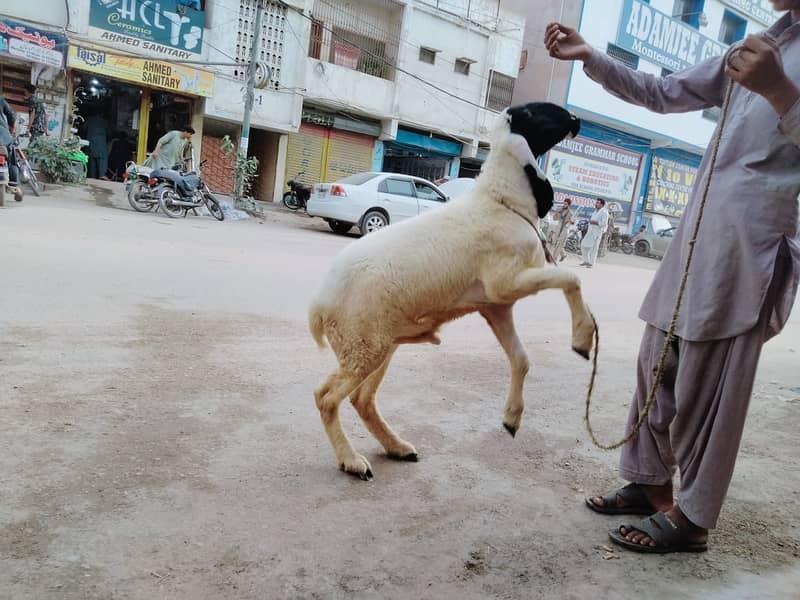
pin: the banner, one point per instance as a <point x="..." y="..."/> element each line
<point x="168" y="28"/>
<point x="31" y="44"/>
<point x="143" y="71"/>
<point x="584" y="170"/>
<point x="660" y="39"/>
<point x="758" y="10"/>
<point x="669" y="187"/>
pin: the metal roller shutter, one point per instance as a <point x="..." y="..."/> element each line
<point x="306" y="152"/>
<point x="348" y="153"/>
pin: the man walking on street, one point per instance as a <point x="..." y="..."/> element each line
<point x="564" y="221"/>
<point x="598" y="223"/>
<point x="739" y="293"/>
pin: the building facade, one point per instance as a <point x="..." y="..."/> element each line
<point x="645" y="163"/>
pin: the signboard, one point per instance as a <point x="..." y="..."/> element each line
<point x="31" y="44"/>
<point x="669" y="186"/>
<point x="584" y="170"/>
<point x="660" y="39"/>
<point x="167" y="28"/>
<point x="143" y="71"/>
<point x="758" y="10"/>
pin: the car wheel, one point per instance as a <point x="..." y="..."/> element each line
<point x="340" y="227"/>
<point x="373" y="221"/>
<point x="642" y="248"/>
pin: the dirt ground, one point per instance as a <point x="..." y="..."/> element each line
<point x="160" y="438"/>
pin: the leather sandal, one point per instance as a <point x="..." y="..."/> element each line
<point x="668" y="537"/>
<point x="634" y="502"/>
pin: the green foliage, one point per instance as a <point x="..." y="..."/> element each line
<point x="52" y="156"/>
<point x="245" y="170"/>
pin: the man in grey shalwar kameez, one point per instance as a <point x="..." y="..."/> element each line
<point x="741" y="288"/>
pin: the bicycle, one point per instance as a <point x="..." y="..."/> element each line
<point x="26" y="171"/>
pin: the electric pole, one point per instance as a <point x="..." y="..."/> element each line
<point x="249" y="97"/>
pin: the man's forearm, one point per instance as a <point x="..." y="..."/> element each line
<point x="784" y="97"/>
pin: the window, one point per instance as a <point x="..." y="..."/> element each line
<point x="462" y="65"/>
<point x="315" y="47"/>
<point x="427" y="55"/>
<point x="501" y="89"/>
<point x="666" y="72"/>
<point x="712" y="114"/>
<point x="398" y="187"/>
<point x="628" y="59"/>
<point x="426" y="192"/>
<point x="689" y="11"/>
<point x="732" y="28"/>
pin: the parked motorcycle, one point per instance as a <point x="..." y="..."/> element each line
<point x="620" y="242"/>
<point x="180" y="192"/>
<point x="573" y="243"/>
<point x="138" y="188"/>
<point x="298" y="194"/>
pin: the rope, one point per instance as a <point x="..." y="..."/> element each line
<point x="659" y="372"/>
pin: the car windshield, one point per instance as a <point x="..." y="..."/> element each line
<point x="358" y="178"/>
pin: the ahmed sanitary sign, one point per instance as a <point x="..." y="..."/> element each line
<point x="660" y="39"/>
<point x="166" y="28"/>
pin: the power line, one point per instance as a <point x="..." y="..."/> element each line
<point x="387" y="62"/>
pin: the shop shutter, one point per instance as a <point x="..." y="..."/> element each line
<point x="306" y="152"/>
<point x="13" y="79"/>
<point x="348" y="153"/>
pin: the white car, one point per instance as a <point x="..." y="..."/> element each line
<point x="372" y="201"/>
<point x="460" y="186"/>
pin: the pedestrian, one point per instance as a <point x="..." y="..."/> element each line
<point x="97" y="136"/>
<point x="8" y="126"/>
<point x="598" y="223"/>
<point x="565" y="219"/>
<point x="739" y="293"/>
<point x="37" y="114"/>
<point x="168" y="151"/>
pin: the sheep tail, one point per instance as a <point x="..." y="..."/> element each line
<point x="316" y="325"/>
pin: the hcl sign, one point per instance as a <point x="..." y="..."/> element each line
<point x="660" y="39"/>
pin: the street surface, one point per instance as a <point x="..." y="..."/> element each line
<point x="160" y="438"/>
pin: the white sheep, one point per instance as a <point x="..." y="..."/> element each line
<point x="479" y="253"/>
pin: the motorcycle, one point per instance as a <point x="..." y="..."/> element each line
<point x="137" y="187"/>
<point x="179" y="192"/>
<point x="620" y="242"/>
<point x="5" y="178"/>
<point x="573" y="243"/>
<point x="298" y="194"/>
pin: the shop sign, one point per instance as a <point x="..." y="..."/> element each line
<point x="143" y="71"/>
<point x="669" y="187"/>
<point x="584" y="170"/>
<point x="758" y="10"/>
<point x="660" y="39"/>
<point x="165" y="27"/>
<point x="31" y="44"/>
<point x="314" y="117"/>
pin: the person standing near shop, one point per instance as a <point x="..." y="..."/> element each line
<point x="169" y="150"/>
<point x="37" y="114"/>
<point x="97" y="135"/>
<point x="564" y="221"/>
<point x="598" y="223"/>
<point x="8" y="123"/>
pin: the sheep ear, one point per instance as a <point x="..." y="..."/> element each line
<point x="541" y="188"/>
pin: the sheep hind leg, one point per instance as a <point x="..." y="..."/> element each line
<point x="340" y="384"/>
<point x="363" y="400"/>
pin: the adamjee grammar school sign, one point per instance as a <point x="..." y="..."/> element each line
<point x="584" y="170"/>
<point x="167" y="28"/>
<point x="660" y="39"/>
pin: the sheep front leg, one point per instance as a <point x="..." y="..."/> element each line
<point x="533" y="280"/>
<point x="501" y="320"/>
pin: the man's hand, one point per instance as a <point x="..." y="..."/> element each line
<point x="757" y="65"/>
<point x="564" y="43"/>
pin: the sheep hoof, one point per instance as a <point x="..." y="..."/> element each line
<point x="582" y="352"/>
<point x="411" y="457"/>
<point x="510" y="429"/>
<point x="359" y="467"/>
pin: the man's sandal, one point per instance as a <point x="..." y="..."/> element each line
<point x="634" y="502"/>
<point x="668" y="537"/>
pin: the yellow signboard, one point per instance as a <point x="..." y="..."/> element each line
<point x="144" y="71"/>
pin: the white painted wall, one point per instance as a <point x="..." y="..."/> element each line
<point x="43" y="12"/>
<point x="599" y="26"/>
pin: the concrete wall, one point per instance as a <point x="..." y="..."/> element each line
<point x="42" y="12"/>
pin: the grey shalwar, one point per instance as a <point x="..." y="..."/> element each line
<point x="743" y="281"/>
